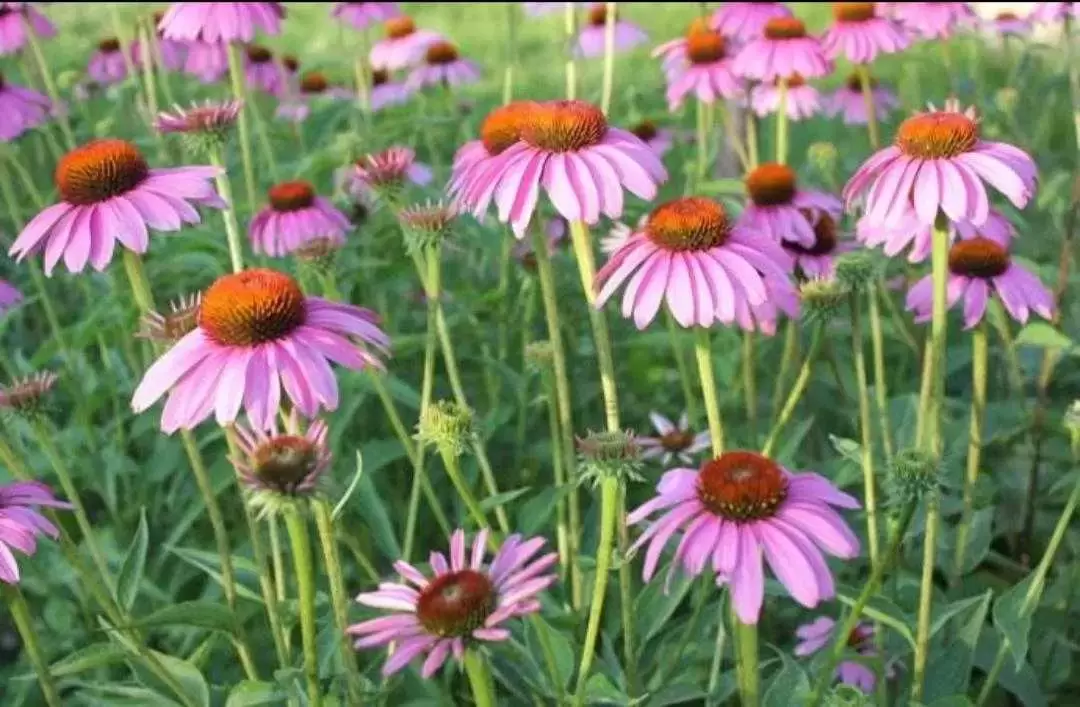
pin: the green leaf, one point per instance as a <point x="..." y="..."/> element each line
<point x="979" y="538"/>
<point x="847" y="448"/>
<point x="678" y="694"/>
<point x="883" y="610"/>
<point x="600" y="690"/>
<point x="504" y="498"/>
<point x="131" y="572"/>
<point x="654" y="606"/>
<point x="788" y="686"/>
<point x="250" y="693"/>
<point x="1021" y="681"/>
<point x="340" y="505"/>
<point x="723" y="186"/>
<point x="370" y="503"/>
<point x="561" y="646"/>
<point x="949" y="673"/>
<point x="187" y="677"/>
<point x="207" y="561"/>
<point x="1013" y="619"/>
<point x="1043" y="336"/>
<point x="97" y="655"/>
<point x="199" y="614"/>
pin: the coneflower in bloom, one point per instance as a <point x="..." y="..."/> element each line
<point x="295" y="215"/>
<point x="820" y="633"/>
<point x="13" y="19"/>
<point x="783" y="49"/>
<point x="361" y="15"/>
<point x="107" y="65"/>
<point x="109" y="193"/>
<point x="568" y="149"/>
<point x="499" y="131"/>
<point x="220" y="21"/>
<point x="171" y="53"/>
<point x="279" y="467"/>
<point x="673" y="440"/>
<point x="257" y="334"/>
<point x="385" y="91"/>
<point x="778" y="207"/>
<point x="907" y="230"/>
<point x="178" y="322"/>
<point x="590" y="40"/>
<point x="689" y="254"/>
<point x="314" y="86"/>
<point x="859" y="33"/>
<point x="442" y="66"/>
<point x="207" y="61"/>
<point x="707" y="72"/>
<point x="463" y="600"/>
<point x="210" y="118"/>
<point x="978" y="268"/>
<point x="21" y="523"/>
<point x="659" y="139"/>
<point x="939" y="163"/>
<point x="673" y="53"/>
<point x="22" y="110"/>
<point x="617" y="235"/>
<point x="261" y="72"/>
<point x="403" y="46"/>
<point x="1009" y="24"/>
<point x="933" y="20"/>
<point x="803" y="100"/>
<point x="740" y="507"/>
<point x="744" y="21"/>
<point x="849" y="102"/>
<point x="386" y="170"/>
<point x="819" y="259"/>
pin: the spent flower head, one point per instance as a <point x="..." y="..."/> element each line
<point x="281" y="470"/>
<point x="318" y="253"/>
<point x="203" y="127"/>
<point x="609" y="455"/>
<point x="858" y="270"/>
<point x="28" y="397"/>
<point x="822" y="298"/>
<point x="427" y="225"/>
<point x="168" y="328"/>
<point x="448" y="426"/>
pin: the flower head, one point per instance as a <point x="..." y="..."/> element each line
<point x="427" y="225"/>
<point x="27" y="397"/>
<point x="802" y="101"/>
<point x="258" y="333"/>
<point x="1053" y="12"/>
<point x="706" y="72"/>
<point x="860" y="34"/>
<point x="182" y="318"/>
<point x="818" y="634"/>
<point x="23" y="110"/>
<point x="607" y="455"/>
<point x="818" y="259"/>
<point x="14" y="18"/>
<point x="591" y="39"/>
<point x="262" y="72"/>
<point x="294" y="216"/>
<point x="403" y="46"/>
<point x="9" y="296"/>
<point x="109" y="193"/>
<point x="280" y="468"/>
<point x="387" y="92"/>
<point x="201" y="127"/>
<point x="659" y="139"/>
<point x="933" y="20"/>
<point x="207" y="61"/>
<point x="387" y="171"/>
<point x="1009" y="23"/>
<point x="361" y="15"/>
<point x="220" y="21"/>
<point x="447" y="426"/>
<point x="22" y="523"/>
<point x="741" y="506"/>
<point x="849" y="102"/>
<point x="745" y="21"/>
<point x="462" y="600"/>
<point x="107" y="64"/>
<point x="783" y="49"/>
<point x="673" y="440"/>
<point x="442" y="65"/>
<point x="782" y="211"/>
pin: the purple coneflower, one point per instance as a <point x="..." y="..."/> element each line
<point x="907" y="230"/>
<point x="659" y="139"/>
<point x="387" y="92"/>
<point x="13" y="19"/>
<point x="784" y="49"/>
<point x="170" y="327"/>
<point x="313" y="86"/>
<point x="803" y="100"/>
<point x="939" y="163"/>
<point x="259" y="333"/>
<point x="214" y="118"/>
<point x="207" y="61"/>
<point x="171" y="52"/>
<point x="778" y="207"/>
<point x="21" y="523"/>
<point x="673" y="440"/>
<point x="744" y="21"/>
<point x="107" y="65"/>
<point x="294" y="216"/>
<point x="389" y="169"/>
<point x="707" y="72"/>
<point x="1009" y="24"/>
<point x="220" y="21"/>
<point x="740" y="507"/>
<point x="286" y="463"/>
<point x="109" y="193"/>
<point x="818" y="260"/>
<point x="461" y="601"/>
<point x="849" y="102"/>
<point x="22" y="110"/>
<point x="262" y="72"/>
<point x="442" y="65"/>
<point x="590" y="41"/>
<point x="859" y="34"/>
<point x="361" y="15"/>
<point x="500" y="130"/>
<point x="672" y="54"/>
<point x="403" y="46"/>
<point x="689" y="254"/>
<point x="933" y="20"/>
<point x="819" y="633"/>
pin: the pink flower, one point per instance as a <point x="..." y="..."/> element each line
<point x="295" y="216"/>
<point x="14" y="17"/>
<point x="907" y="230"/>
<point x="259" y="333"/>
<point x="1009" y="23"/>
<point x="978" y="268"/>
<point x="818" y="260"/>
<point x="9" y="296"/>
<point x="590" y="41"/>
<point x="403" y="46"/>
<point x="107" y="65"/>
<point x="849" y="102"/>
<point x="1053" y="12"/>
<point x="500" y="131"/>
<point x="206" y="61"/>
<point x="556" y="229"/>
<point x="171" y="52"/>
<point x="22" y="110"/>
<point x="463" y="600"/>
<point x="618" y="235"/>
<point x="779" y="209"/>
<point x="262" y="72"/>
<point x="803" y="100"/>
<point x="819" y="634"/>
<point x="442" y="66"/>
<point x="859" y="34"/>
<point x="706" y="71"/>
<point x="933" y="20"/>
<point x="739" y="507"/>
<point x="568" y="148"/>
<point x="673" y="440"/>
<point x="659" y="139"/>
<point x="361" y="15"/>
<point x="220" y="21"/>
<point x="389" y="169"/>
<point x="289" y="463"/>
<point x="689" y="255"/>
<point x="783" y="50"/>
<point x="744" y="21"/>
<point x="939" y="164"/>
<point x="313" y="88"/>
<point x="108" y="193"/>
<point x="385" y="92"/>
<point x="21" y="523"/>
<point x="208" y="118"/>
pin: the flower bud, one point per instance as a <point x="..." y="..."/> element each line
<point x="447" y="426"/>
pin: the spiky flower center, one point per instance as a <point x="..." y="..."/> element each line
<point x="824" y="238"/>
<point x="705" y="47"/>
<point x="502" y="127"/>
<point x="563" y="126"/>
<point x="854" y="83"/>
<point x="399" y="27"/>
<point x="785" y="28"/>
<point x="454" y="605"/>
<point x="252" y="307"/>
<point x="978" y="257"/>
<point x="109" y="45"/>
<point x="379" y="77"/>
<point x="853" y="11"/>
<point x="284" y="462"/>
<point x="646" y="130"/>
<point x="313" y="82"/>
<point x="742" y="486"/>
<point x="291" y="196"/>
<point x="258" y="54"/>
<point x="99" y="170"/>
<point x="771" y="184"/>
<point x="690" y="223"/>
<point x="676" y="440"/>
<point x="442" y="53"/>
<point x="290" y="63"/>
<point x="598" y="14"/>
<point x="938" y="135"/>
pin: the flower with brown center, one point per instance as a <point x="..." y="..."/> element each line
<point x="688" y="224"/>
<point x="313" y="82"/>
<point x="785" y="28"/>
<point x="598" y="14"/>
<point x="285" y="462"/>
<point x="399" y="27"/>
<point x="291" y="196"/>
<point x="258" y="54"/>
<point x="705" y="47"/>
<point x="291" y="63"/>
<point x="27" y="396"/>
<point x="210" y="119"/>
<point x="937" y="135"/>
<point x="741" y="486"/>
<point x="978" y="257"/>
<point x="854" y="83"/>
<point x="380" y="77"/>
<point x="676" y="441"/>
<point x="825" y="237"/>
<point x="502" y="126"/>
<point x="441" y="53"/>
<point x="252" y="307"/>
<point x="281" y="468"/>
<point x="109" y="45"/>
<point x="100" y="170"/>
<point x="427" y="225"/>
<point x="182" y="318"/>
<point x="853" y="11"/>
<point x="771" y="184"/>
<point x="563" y="126"/>
<point x="456" y="604"/>
<point x="646" y="130"/>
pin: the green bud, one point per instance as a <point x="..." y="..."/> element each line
<point x="609" y="454"/>
<point x="447" y="426"/>
<point x="823" y="156"/>
<point x="914" y="476"/>
<point x="858" y="270"/>
<point x="426" y="226"/>
<point x="842" y="695"/>
<point x="29" y="397"/>
<point x="822" y="298"/>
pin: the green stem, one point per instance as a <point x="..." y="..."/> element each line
<point x="718" y="656"/>
<point x="232" y="230"/>
<point x="690" y="633"/>
<point x="511" y="52"/>
<point x="571" y="63"/>
<point x="865" y="427"/>
<point x="159" y="64"/>
<point x="746" y="660"/>
<point x="873" y="584"/>
<point x="24" y="624"/>
<point x="1000" y="321"/>
<point x="751" y="137"/>
<point x="979" y="357"/>
<point x="453" y="470"/>
<point x="236" y="77"/>
<point x="732" y="135"/>
<point x="609" y="507"/>
<point x="563" y="405"/>
<point x="562" y="534"/>
<point x="702" y="141"/>
<point x="305" y="582"/>
<point x="277" y="559"/>
<point x="782" y="122"/>
<point x="47" y="79"/>
<point x="787" y="358"/>
<point x="703" y="351"/>
<point x="609" y="57"/>
<point x="881" y="392"/>
<point x="749" y="355"/>
<point x="802" y="380"/>
<point x="265" y="143"/>
<point x="339" y="598"/>
<point x="483" y="689"/>
<point x="863" y="73"/>
<point x="684" y="372"/>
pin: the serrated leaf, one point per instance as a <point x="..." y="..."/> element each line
<point x="788" y="686"/>
<point x="250" y="693"/>
<point x="131" y="571"/>
<point x="200" y="614"/>
<point x="1013" y="619"/>
<point x="1044" y="336"/>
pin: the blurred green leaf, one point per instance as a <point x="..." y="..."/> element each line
<point x="199" y="614"/>
<point x="1013" y="621"/>
<point x="96" y="655"/>
<point x="1044" y="336"/>
<point x="250" y="693"/>
<point x="788" y="686"/>
<point x="131" y="571"/>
